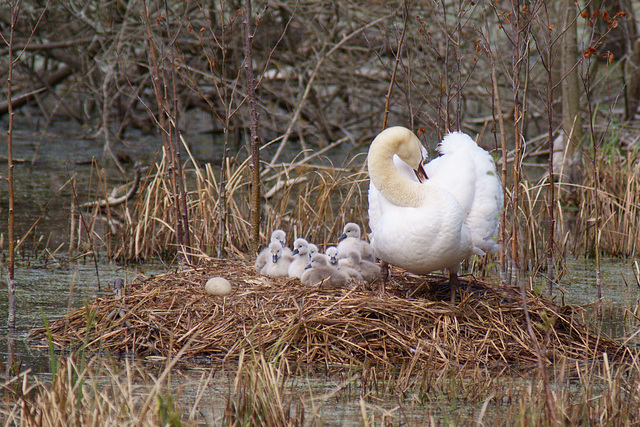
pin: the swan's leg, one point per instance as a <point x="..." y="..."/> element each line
<point x="453" y="284"/>
<point x="384" y="275"/>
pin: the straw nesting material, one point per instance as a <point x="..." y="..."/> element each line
<point x="413" y="322"/>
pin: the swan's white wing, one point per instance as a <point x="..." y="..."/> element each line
<point x="422" y="239"/>
<point x="469" y="173"/>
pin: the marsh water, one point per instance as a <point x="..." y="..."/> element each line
<point x="49" y="283"/>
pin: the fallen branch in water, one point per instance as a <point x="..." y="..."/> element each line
<point x="113" y="200"/>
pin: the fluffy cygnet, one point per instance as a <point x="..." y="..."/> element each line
<point x="264" y="255"/>
<point x="313" y="249"/>
<point x="300" y="258"/>
<point x="281" y="236"/>
<point x="369" y="270"/>
<point x="319" y="271"/>
<point x="332" y="255"/>
<point x="350" y="241"/>
<point x="278" y="265"/>
<point x="353" y="274"/>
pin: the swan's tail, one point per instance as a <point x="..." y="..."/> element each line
<point x="483" y="218"/>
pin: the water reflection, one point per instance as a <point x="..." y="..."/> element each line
<point x="616" y="315"/>
<point x="52" y="292"/>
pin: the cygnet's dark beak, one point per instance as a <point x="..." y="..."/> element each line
<point x="275" y="258"/>
<point x="295" y="252"/>
<point x="333" y="260"/>
<point x="421" y="174"/>
<point x="342" y="237"/>
<point x="308" y="267"/>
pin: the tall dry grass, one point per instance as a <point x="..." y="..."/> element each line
<point x="617" y="203"/>
<point x="306" y="198"/>
<point x="260" y="391"/>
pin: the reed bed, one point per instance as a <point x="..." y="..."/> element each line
<point x="304" y="199"/>
<point x="412" y="323"/>
<point x="257" y="391"/>
<point x="609" y="213"/>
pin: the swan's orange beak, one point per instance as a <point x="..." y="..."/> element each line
<point x="421" y="173"/>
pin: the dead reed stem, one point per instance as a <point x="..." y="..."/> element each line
<point x="11" y="318"/>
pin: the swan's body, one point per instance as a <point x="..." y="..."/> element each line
<point x="350" y="241"/>
<point x="332" y="255"/>
<point x="300" y="258"/>
<point x="369" y="271"/>
<point x="278" y="265"/>
<point x="438" y="223"/>
<point x="319" y="271"/>
<point x="264" y="255"/>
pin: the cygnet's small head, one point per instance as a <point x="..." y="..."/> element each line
<point x="354" y="257"/>
<point x="332" y="254"/>
<point x="300" y="246"/>
<point x="279" y="236"/>
<point x="275" y="248"/>
<point x="318" y="260"/>
<point x="351" y="229"/>
<point x="312" y="249"/>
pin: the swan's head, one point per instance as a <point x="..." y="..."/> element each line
<point x="275" y="249"/>
<point x="403" y="143"/>
<point x="332" y="254"/>
<point x="300" y="246"/>
<point x="279" y="236"/>
<point x="351" y="229"/>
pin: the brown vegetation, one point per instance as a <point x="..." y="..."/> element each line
<point x="336" y="328"/>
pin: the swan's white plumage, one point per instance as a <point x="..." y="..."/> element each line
<point x="469" y="173"/>
<point x="423" y="227"/>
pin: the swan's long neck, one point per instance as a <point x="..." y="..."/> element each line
<point x="395" y="187"/>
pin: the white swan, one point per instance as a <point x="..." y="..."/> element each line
<point x="438" y="223"/>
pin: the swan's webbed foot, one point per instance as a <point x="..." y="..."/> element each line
<point x="453" y="285"/>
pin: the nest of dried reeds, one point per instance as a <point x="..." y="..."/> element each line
<point x="412" y="323"/>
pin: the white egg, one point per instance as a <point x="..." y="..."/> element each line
<point x="218" y="286"/>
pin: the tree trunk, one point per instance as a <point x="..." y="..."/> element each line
<point x="571" y="112"/>
<point x="255" y="140"/>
